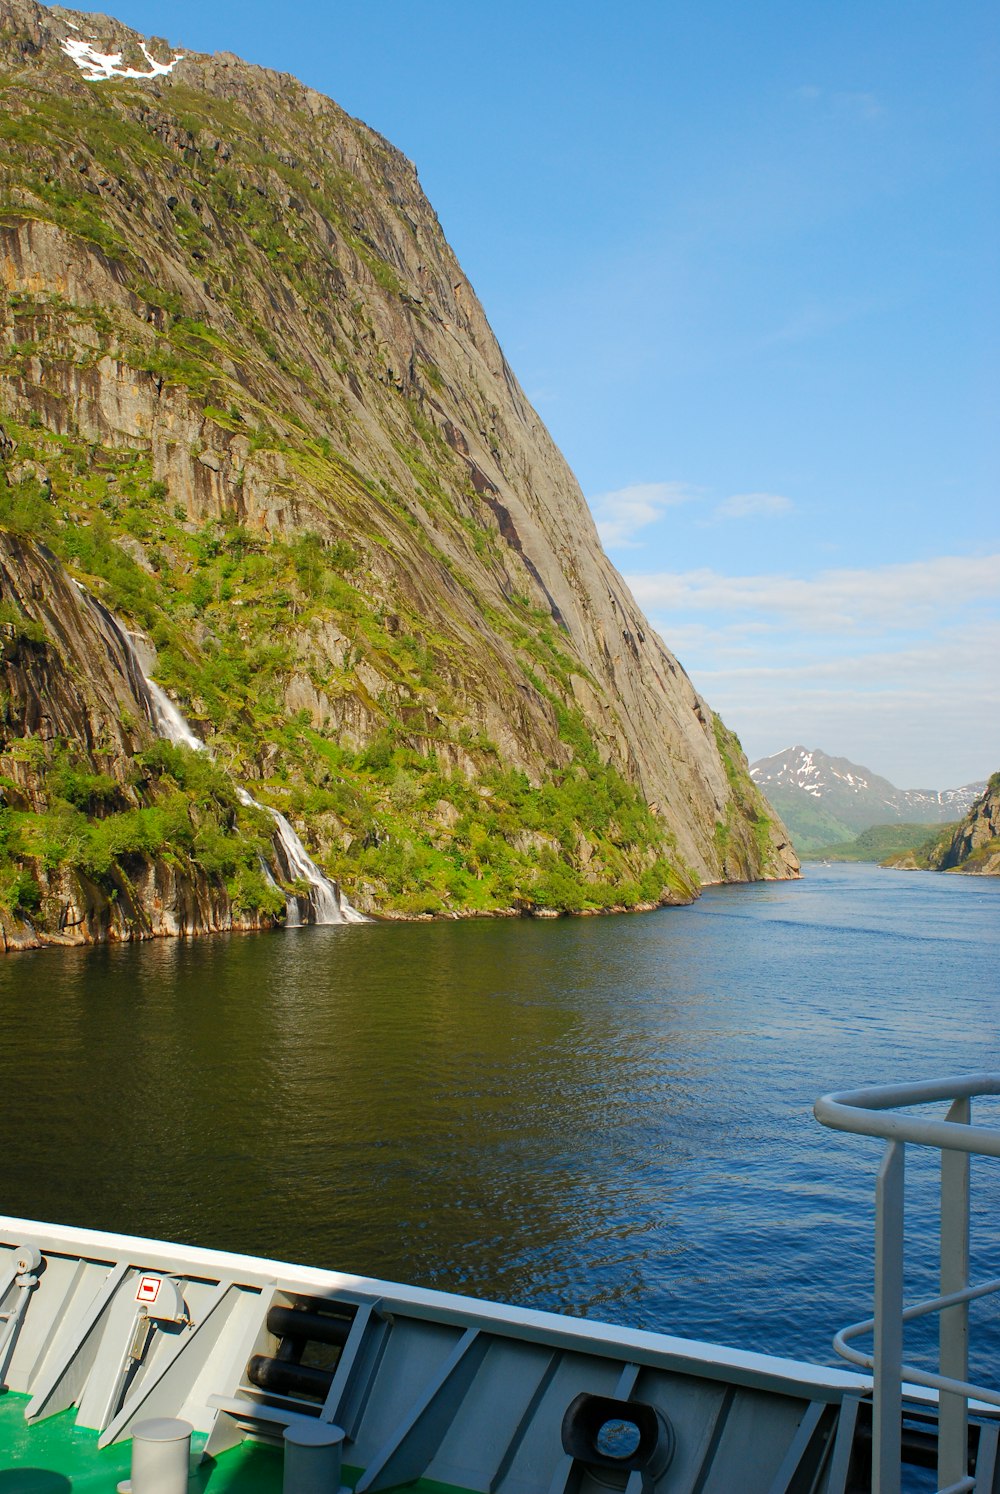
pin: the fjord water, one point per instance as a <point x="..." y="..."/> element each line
<point x="607" y="1116"/>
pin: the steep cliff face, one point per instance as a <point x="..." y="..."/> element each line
<point x="66" y="675"/>
<point x="97" y="840"/>
<point x="975" y="846"/>
<point x="253" y="401"/>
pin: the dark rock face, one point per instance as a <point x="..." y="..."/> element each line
<point x="216" y="270"/>
<point x="66" y="677"/>
<point x="148" y="899"/>
<point x="975" y="846"/>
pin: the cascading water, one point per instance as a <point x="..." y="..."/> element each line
<point x="167" y="719"/>
<point x="321" y="901"/>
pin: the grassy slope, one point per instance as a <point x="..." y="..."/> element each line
<point x="811" y="827"/>
<point x="416" y="808"/>
<point x="880" y="841"/>
<point x="399" y="830"/>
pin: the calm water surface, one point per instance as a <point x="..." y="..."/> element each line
<point x="606" y="1116"/>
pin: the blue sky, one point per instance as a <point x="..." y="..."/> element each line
<point x="745" y="261"/>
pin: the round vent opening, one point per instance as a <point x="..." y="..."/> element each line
<point x="618" y="1439"/>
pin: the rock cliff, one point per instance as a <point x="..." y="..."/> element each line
<point x="251" y="400"/>
<point x="97" y="843"/>
<point x="971" y="847"/>
<point x="974" y="848"/>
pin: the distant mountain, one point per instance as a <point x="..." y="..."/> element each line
<point x="972" y="847"/>
<point x="825" y="800"/>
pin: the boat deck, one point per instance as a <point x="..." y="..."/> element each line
<point x="56" y="1456"/>
<point x="435" y="1393"/>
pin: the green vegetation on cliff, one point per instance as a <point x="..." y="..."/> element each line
<point x="252" y="404"/>
<point x="747" y="809"/>
<point x="971" y="848"/>
<point x="187" y="815"/>
<point x="399" y="829"/>
<point x="880" y="841"/>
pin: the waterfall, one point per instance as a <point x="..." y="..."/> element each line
<point x="169" y="722"/>
<point x="323" y="902"/>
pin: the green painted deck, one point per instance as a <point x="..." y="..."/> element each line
<point x="55" y="1456"/>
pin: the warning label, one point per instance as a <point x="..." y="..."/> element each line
<point x="149" y="1287"/>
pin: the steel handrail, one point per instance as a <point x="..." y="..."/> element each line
<point x="875" y="1111"/>
<point x="918" y="1310"/>
<point x="863" y="1112"/>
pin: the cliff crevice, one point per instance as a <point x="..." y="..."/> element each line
<point x="259" y="411"/>
<point x="85" y="853"/>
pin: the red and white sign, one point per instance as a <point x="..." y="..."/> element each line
<point x="149" y="1288"/>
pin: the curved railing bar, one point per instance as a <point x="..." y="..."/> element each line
<point x="918" y="1310"/>
<point x="910" y="1373"/>
<point x="913" y="1376"/>
<point x="877" y="1111"/>
<point x="863" y="1111"/>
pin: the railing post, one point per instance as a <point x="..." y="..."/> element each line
<point x="888" y="1407"/>
<point x="953" y="1416"/>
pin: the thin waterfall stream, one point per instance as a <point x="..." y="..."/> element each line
<point x="322" y="901"/>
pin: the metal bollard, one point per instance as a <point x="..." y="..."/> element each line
<point x="312" y="1458"/>
<point x="161" y="1457"/>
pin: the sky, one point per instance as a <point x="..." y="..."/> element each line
<point x="745" y="261"/>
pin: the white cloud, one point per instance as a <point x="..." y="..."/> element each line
<point x="815" y="318"/>
<point x="621" y="514"/>
<point x="753" y="506"/>
<point x="893" y="667"/>
<point x="892" y="595"/>
<point x="915" y="669"/>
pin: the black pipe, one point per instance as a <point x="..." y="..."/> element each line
<point x="918" y="1447"/>
<point x="276" y="1375"/>
<point x="288" y="1322"/>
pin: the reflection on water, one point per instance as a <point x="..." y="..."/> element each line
<point x="608" y="1116"/>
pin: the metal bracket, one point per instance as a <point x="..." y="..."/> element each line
<point x="409" y="1450"/>
<point x="75" y="1336"/>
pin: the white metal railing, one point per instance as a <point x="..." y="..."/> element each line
<point x="875" y="1112"/>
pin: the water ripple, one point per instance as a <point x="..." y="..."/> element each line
<point x="606" y="1116"/>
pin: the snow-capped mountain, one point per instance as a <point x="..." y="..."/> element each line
<point x="825" y="799"/>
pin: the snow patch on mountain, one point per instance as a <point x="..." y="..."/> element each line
<point x="98" y="67"/>
<point x="854" y="792"/>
